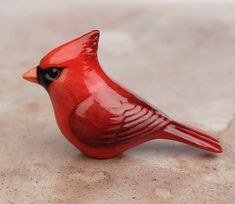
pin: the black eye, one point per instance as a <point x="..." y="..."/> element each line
<point x="47" y="76"/>
<point x="52" y="74"/>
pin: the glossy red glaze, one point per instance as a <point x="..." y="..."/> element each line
<point x="97" y="115"/>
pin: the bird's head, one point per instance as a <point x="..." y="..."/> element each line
<point x="66" y="62"/>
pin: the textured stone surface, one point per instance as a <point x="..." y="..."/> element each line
<point x="180" y="57"/>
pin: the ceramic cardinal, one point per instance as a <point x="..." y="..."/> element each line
<point x="100" y="117"/>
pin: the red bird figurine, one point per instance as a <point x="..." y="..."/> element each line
<point x="100" y="117"/>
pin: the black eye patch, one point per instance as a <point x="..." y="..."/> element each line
<point x="47" y="76"/>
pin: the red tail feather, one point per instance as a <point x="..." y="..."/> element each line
<point x="191" y="136"/>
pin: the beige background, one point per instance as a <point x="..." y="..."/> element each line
<point x="179" y="56"/>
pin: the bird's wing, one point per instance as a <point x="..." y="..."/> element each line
<point x="136" y="121"/>
<point x="120" y="125"/>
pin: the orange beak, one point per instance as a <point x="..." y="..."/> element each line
<point x="31" y="75"/>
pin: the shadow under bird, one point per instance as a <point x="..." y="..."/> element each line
<point x="100" y="117"/>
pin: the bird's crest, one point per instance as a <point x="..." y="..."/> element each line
<point x="85" y="46"/>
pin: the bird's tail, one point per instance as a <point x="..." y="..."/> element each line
<point x="191" y="136"/>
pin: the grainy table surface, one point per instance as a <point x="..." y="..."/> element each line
<point x="179" y="56"/>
